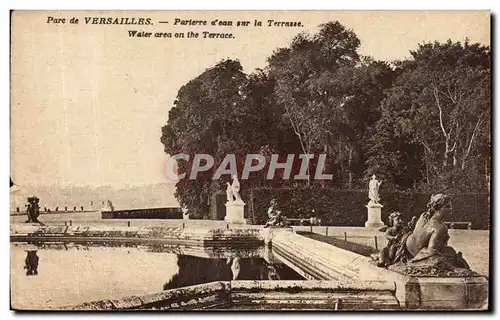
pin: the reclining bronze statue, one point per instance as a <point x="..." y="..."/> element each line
<point x="422" y="247"/>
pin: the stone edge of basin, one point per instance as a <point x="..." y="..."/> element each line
<point x="219" y="294"/>
<point x="68" y="233"/>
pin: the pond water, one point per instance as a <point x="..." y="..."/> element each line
<point x="57" y="274"/>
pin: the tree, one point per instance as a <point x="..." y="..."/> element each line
<point x="310" y="79"/>
<point x="204" y="119"/>
<point x="222" y="111"/>
<point x="366" y="86"/>
<point x="439" y="108"/>
<point x="330" y="96"/>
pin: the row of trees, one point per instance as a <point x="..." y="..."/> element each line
<point x="419" y="124"/>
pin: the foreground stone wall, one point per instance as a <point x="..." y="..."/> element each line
<point x="259" y="295"/>
<point x="312" y="295"/>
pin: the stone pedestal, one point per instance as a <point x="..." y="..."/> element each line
<point x="235" y="212"/>
<point x="374" y="216"/>
<point x="438" y="293"/>
<point x="426" y="293"/>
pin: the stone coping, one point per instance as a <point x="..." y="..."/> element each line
<point x="245" y="293"/>
<point x="192" y="236"/>
<point x="320" y="285"/>
<point x="326" y="262"/>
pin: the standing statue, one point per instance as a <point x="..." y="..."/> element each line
<point x="374" y="186"/>
<point x="107" y="206"/>
<point x="185" y="213"/>
<point x="229" y="192"/>
<point x="235" y="206"/>
<point x="424" y="250"/>
<point x="235" y="188"/>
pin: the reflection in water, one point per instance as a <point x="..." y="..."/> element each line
<point x="203" y="251"/>
<point x="272" y="273"/>
<point x="235" y="266"/>
<point x="76" y="273"/>
<point x="31" y="263"/>
<point x="74" y="276"/>
<point x="195" y="270"/>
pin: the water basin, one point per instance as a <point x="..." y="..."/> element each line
<point x="52" y="275"/>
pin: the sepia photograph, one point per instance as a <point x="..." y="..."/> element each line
<point x="250" y="160"/>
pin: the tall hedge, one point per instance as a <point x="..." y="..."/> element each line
<point x="348" y="208"/>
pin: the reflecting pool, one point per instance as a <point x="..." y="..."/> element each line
<point x="60" y="274"/>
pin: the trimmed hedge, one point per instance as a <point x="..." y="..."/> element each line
<point x="347" y="208"/>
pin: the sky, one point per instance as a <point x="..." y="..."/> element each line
<point x="88" y="102"/>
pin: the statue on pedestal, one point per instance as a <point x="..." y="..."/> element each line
<point x="235" y="187"/>
<point x="235" y="212"/>
<point x="33" y="209"/>
<point x="233" y="190"/>
<point x="373" y="187"/>
<point x="374" y="206"/>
